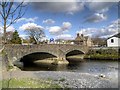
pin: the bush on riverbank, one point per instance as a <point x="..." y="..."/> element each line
<point x="103" y="54"/>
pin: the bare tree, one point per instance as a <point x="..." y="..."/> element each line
<point x="10" y="12"/>
<point x="99" y="41"/>
<point x="36" y="34"/>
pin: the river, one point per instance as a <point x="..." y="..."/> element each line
<point x="87" y="66"/>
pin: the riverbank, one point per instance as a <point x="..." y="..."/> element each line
<point x="103" y="54"/>
<point x="28" y="83"/>
<point x="66" y="79"/>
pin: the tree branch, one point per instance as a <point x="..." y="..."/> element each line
<point x="8" y="12"/>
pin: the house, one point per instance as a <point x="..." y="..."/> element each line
<point x="114" y="41"/>
<point x="79" y="40"/>
<point x="88" y="41"/>
<point x="83" y="40"/>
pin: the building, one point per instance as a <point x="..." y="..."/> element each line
<point x="60" y="41"/>
<point x="114" y="41"/>
<point x="79" y="40"/>
<point x="88" y="41"/>
<point x="83" y="40"/>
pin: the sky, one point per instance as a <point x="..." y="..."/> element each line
<point x="63" y="20"/>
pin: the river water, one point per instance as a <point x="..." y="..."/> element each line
<point x="87" y="66"/>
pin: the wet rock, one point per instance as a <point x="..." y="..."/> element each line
<point x="102" y="76"/>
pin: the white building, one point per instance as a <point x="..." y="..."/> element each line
<point x="114" y="41"/>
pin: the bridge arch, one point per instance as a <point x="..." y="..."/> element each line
<point x="37" y="52"/>
<point x="74" y="52"/>
<point x="31" y="57"/>
<point x="74" y="55"/>
<point x="41" y="54"/>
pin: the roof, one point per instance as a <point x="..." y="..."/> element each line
<point x="86" y="37"/>
<point x="116" y="35"/>
<point x="79" y="38"/>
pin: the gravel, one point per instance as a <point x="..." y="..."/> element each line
<point x="66" y="79"/>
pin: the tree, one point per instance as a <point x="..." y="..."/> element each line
<point x="99" y="41"/>
<point x="32" y="40"/>
<point x="10" y="12"/>
<point x="9" y="36"/>
<point x="36" y="34"/>
<point x="16" y="39"/>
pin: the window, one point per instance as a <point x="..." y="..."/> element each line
<point x="112" y="40"/>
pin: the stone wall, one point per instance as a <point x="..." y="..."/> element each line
<point x="16" y="52"/>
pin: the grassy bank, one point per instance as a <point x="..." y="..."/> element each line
<point x="28" y="83"/>
<point x="103" y="54"/>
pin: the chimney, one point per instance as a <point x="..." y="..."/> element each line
<point x="78" y="35"/>
<point x="82" y="35"/>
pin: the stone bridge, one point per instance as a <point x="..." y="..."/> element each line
<point x="58" y="50"/>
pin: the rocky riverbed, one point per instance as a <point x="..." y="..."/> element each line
<point x="67" y="79"/>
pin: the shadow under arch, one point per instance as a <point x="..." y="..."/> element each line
<point x="30" y="58"/>
<point x="74" y="55"/>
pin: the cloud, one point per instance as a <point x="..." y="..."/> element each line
<point x="10" y="28"/>
<point x="114" y="24"/>
<point x="55" y="30"/>
<point x="24" y="36"/>
<point x="99" y="10"/>
<point x="103" y="32"/>
<point x="28" y="26"/>
<point x="66" y="25"/>
<point x="56" y="7"/>
<point x="99" y="7"/>
<point x="64" y="36"/>
<point x="27" y="19"/>
<point x="48" y="21"/>
<point x="1" y="29"/>
<point x="97" y="17"/>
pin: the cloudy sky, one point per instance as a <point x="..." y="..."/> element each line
<point x="65" y="19"/>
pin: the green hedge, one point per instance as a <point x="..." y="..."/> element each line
<point x="103" y="54"/>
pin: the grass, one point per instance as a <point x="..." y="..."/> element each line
<point x="28" y="83"/>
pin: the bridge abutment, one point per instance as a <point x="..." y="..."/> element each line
<point x="62" y="60"/>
